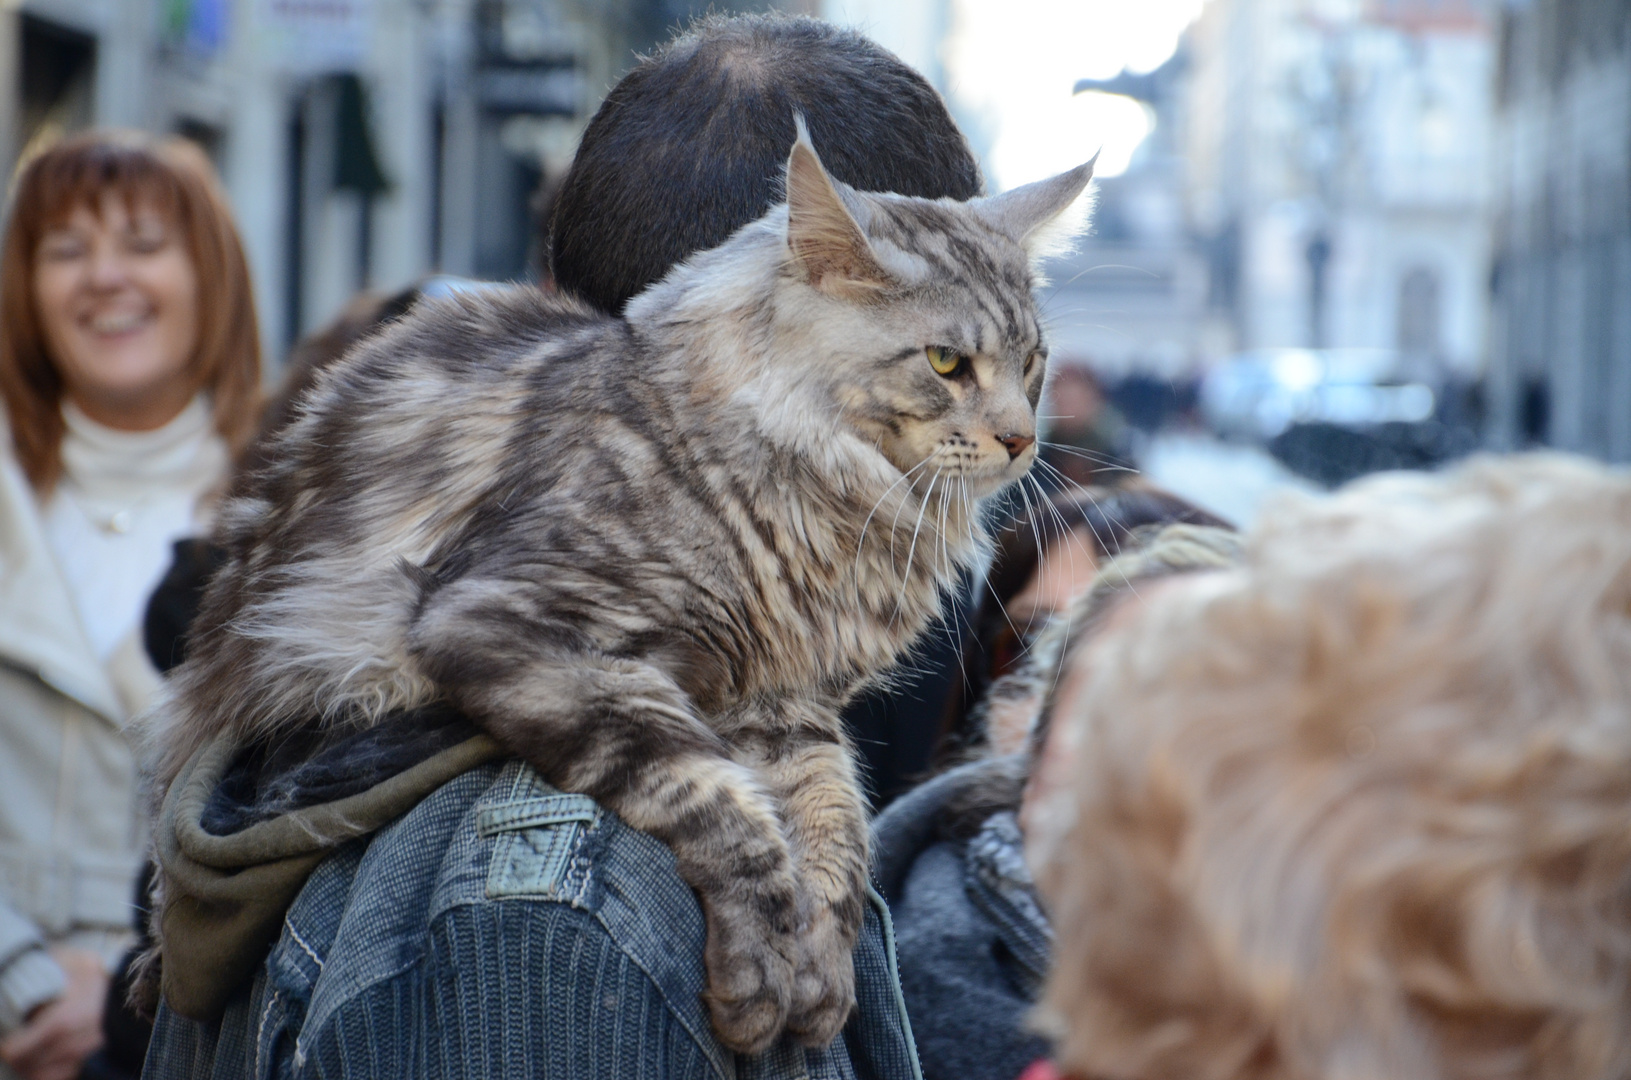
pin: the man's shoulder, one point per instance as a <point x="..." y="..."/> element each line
<point x="493" y="866"/>
<point x="502" y="920"/>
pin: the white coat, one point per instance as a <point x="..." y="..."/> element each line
<point x="72" y="836"/>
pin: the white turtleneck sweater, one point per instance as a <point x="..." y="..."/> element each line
<point x="124" y="498"/>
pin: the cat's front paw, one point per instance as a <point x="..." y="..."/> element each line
<point x="752" y="957"/>
<point x="824" y="986"/>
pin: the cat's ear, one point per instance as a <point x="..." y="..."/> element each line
<point x="1043" y="217"/>
<point x="826" y="242"/>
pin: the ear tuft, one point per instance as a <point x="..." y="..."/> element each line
<point x="826" y="242"/>
<point x="1044" y="217"/>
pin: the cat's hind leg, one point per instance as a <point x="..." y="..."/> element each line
<point x="622" y="732"/>
<point x="800" y="749"/>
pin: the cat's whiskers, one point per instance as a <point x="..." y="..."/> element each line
<point x="1065" y="484"/>
<point x="934" y="456"/>
<point x="1097" y="459"/>
<point x="860" y="544"/>
<point x="944" y="527"/>
<point x="911" y="550"/>
<point x="971" y="522"/>
<point x="1062" y="480"/>
<point x="894" y="522"/>
<point x="960" y="537"/>
<point x="1029" y="518"/>
<point x="1068" y="534"/>
<point x="1069" y="609"/>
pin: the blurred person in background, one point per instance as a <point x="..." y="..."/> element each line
<point x="1356" y="808"/>
<point x="1088" y="441"/>
<point x="1044" y="558"/>
<point x="974" y="941"/>
<point x="130" y="371"/>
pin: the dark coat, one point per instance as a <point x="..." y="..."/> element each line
<point x="972" y="940"/>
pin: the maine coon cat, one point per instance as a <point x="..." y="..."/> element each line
<point x="654" y="556"/>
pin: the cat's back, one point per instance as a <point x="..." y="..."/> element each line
<point x="388" y="456"/>
<point x="436" y="398"/>
<point x="398" y="441"/>
<point x="500" y="340"/>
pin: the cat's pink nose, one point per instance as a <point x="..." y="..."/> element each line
<point x="1016" y="444"/>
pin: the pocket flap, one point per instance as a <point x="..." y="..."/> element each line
<point x="535" y="813"/>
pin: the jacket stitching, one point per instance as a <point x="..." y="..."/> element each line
<point x="895" y="988"/>
<point x="536" y="869"/>
<point x="298" y="940"/>
<point x="260" y="1032"/>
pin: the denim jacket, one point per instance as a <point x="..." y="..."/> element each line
<point x="504" y="929"/>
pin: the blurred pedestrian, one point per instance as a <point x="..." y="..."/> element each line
<point x="974" y="940"/>
<point x="1086" y="439"/>
<point x="1044" y="558"/>
<point x="130" y="371"/>
<point x="1357" y="807"/>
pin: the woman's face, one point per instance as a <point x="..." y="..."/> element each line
<point x="117" y="296"/>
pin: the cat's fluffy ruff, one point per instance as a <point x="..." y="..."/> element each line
<point x="654" y="557"/>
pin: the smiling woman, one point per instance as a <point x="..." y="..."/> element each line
<point x="124" y="289"/>
<point x="130" y="372"/>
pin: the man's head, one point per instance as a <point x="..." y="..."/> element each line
<point x="1358" y="807"/>
<point x="692" y="144"/>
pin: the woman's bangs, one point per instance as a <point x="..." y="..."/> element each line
<point x="74" y="176"/>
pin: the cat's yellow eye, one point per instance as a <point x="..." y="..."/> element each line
<point x="1031" y="361"/>
<point x="944" y="361"/>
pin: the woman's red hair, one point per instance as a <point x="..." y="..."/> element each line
<point x="175" y="178"/>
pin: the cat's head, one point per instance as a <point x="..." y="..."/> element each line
<point x="918" y="318"/>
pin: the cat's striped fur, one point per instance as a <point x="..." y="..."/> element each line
<point x="654" y="557"/>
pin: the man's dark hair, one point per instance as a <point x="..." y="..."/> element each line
<point x="691" y="144"/>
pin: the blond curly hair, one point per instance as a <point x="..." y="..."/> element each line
<point x="1361" y="808"/>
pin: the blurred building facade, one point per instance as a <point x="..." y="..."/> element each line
<point x="1131" y="301"/>
<point x="1560" y="357"/>
<point x="363" y="143"/>
<point x="1337" y="156"/>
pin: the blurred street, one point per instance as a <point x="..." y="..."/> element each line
<point x="1231" y="480"/>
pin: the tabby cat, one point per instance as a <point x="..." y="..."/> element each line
<point x="654" y="556"/>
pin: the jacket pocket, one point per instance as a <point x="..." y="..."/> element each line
<point x="537" y="839"/>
